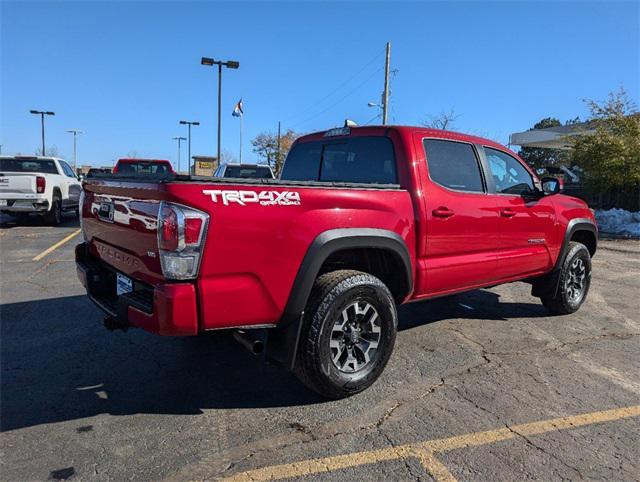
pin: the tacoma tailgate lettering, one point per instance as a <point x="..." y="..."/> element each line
<point x="264" y="198"/>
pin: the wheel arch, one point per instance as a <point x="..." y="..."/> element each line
<point x="582" y="230"/>
<point x="343" y="248"/>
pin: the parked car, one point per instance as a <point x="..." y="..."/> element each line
<point x="361" y="220"/>
<point x="33" y="184"/>
<point x="244" y="171"/>
<point x="97" y="172"/>
<point x="143" y="167"/>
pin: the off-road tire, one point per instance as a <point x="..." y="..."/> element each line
<point x="332" y="294"/>
<point x="560" y="302"/>
<point x="54" y="215"/>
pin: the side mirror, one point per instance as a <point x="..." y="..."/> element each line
<point x="551" y="185"/>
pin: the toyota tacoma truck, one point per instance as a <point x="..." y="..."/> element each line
<point x="34" y="184"/>
<point x="361" y="220"/>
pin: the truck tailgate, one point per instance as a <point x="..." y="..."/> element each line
<point x="119" y="221"/>
<point x="17" y="184"/>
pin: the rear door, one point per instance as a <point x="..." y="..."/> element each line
<point x="526" y="220"/>
<point x="462" y="221"/>
<point x="73" y="186"/>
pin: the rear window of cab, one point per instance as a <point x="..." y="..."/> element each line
<point x="367" y="159"/>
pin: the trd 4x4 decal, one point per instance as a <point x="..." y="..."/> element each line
<point x="264" y="198"/>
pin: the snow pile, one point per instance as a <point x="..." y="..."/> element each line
<point x="618" y="221"/>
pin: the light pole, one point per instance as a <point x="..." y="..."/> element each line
<point x="75" y="133"/>
<point x="42" y="113"/>
<point x="179" y="138"/>
<point x="230" y="64"/>
<point x="190" y="123"/>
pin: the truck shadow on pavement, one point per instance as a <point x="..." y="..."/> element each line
<point x="60" y="364"/>
<point x="7" y="221"/>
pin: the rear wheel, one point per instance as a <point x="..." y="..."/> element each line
<point x="575" y="279"/>
<point x="348" y="334"/>
<point x="54" y="215"/>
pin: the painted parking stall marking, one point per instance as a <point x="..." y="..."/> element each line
<point x="56" y="245"/>
<point x="426" y="452"/>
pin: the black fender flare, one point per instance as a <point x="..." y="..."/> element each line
<point x="282" y="344"/>
<point x="547" y="285"/>
<point x="575" y="225"/>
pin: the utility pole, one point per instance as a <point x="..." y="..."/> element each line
<point x="230" y="64"/>
<point x="179" y="138"/>
<point x="190" y="123"/>
<point x="385" y="101"/>
<point x="75" y="133"/>
<point x="42" y="113"/>
<point x="278" y="158"/>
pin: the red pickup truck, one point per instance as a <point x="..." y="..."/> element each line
<point x="361" y="220"/>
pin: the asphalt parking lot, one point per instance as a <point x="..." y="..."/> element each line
<point x="481" y="386"/>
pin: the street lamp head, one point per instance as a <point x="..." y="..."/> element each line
<point x="195" y="123"/>
<point x="183" y="122"/>
<point x="34" y="112"/>
<point x="207" y="61"/>
<point x="232" y="64"/>
<point x="50" y="113"/>
<point x="372" y="104"/>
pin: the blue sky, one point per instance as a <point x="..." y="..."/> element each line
<point x="127" y="72"/>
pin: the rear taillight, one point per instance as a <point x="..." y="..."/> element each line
<point x="41" y="184"/>
<point x="181" y="233"/>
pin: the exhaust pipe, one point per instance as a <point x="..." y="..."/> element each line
<point x="249" y="341"/>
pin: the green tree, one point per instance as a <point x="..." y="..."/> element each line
<point x="541" y="157"/>
<point x="609" y="152"/>
<point x="265" y="145"/>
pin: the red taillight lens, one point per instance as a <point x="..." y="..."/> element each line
<point x="192" y="229"/>
<point x="41" y="184"/>
<point x="169" y="230"/>
<point x="181" y="235"/>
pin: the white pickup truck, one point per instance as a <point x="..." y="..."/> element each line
<point x="35" y="184"/>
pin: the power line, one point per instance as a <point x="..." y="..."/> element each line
<point x="371" y="120"/>
<point x="337" y="88"/>
<point x="341" y="99"/>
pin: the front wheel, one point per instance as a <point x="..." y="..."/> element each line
<point x="348" y="333"/>
<point x="575" y="279"/>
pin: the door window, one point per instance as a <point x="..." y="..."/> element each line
<point x="67" y="170"/>
<point x="453" y="165"/>
<point x="509" y="175"/>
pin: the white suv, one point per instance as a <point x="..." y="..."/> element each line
<point x="35" y="184"/>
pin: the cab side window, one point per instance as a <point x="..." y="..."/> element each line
<point x="453" y="165"/>
<point x="67" y="170"/>
<point x="509" y="175"/>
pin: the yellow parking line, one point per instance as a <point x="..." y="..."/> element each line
<point x="56" y="246"/>
<point x="433" y="466"/>
<point x="425" y="451"/>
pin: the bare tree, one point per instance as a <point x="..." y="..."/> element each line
<point x="227" y="157"/>
<point x="265" y="145"/>
<point x="444" y="120"/>
<point x="51" y="152"/>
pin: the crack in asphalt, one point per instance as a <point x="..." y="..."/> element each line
<point x="541" y="449"/>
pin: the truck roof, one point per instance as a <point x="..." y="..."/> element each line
<point x="35" y="158"/>
<point x="381" y="130"/>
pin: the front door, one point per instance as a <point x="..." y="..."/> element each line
<point x="462" y="220"/>
<point x="526" y="220"/>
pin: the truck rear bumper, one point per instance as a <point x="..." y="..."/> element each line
<point x="166" y="309"/>
<point x="25" y="206"/>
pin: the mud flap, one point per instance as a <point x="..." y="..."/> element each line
<point x="282" y="344"/>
